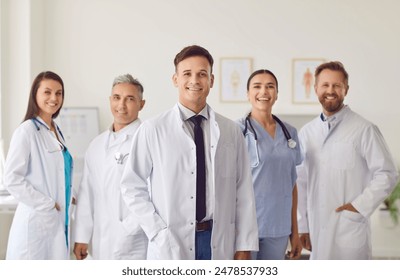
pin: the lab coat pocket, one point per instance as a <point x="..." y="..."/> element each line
<point x="352" y="231"/>
<point x="338" y="160"/>
<point x="130" y="246"/>
<point x="42" y="226"/>
<point x="130" y="225"/>
<point x="161" y="247"/>
<point x="44" y="222"/>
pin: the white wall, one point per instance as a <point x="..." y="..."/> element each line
<point x="90" y="42"/>
<point x="15" y="63"/>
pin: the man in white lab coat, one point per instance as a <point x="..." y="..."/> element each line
<point x="164" y="150"/>
<point x="346" y="173"/>
<point x="102" y="218"/>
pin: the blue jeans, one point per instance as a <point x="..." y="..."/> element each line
<point x="203" y="245"/>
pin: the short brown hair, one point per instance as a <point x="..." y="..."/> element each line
<point x="193" y="50"/>
<point x="334" y="66"/>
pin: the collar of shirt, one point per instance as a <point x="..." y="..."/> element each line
<point x="186" y="113"/>
<point x="122" y="133"/>
<point x="335" y="118"/>
<point x="126" y="129"/>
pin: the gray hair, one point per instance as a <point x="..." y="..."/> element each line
<point x="128" y="79"/>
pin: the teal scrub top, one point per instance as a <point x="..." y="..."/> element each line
<point x="68" y="177"/>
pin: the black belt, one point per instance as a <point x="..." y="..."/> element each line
<point x="204" y="226"/>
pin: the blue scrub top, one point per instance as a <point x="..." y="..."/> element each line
<point x="273" y="166"/>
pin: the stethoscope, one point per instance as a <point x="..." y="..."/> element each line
<point x="50" y="148"/>
<point x="118" y="156"/>
<point x="38" y="123"/>
<point x="291" y="143"/>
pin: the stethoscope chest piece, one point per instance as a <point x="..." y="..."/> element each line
<point x="291" y="143"/>
<point x="118" y="156"/>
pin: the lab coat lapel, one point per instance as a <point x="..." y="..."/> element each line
<point x="180" y="123"/>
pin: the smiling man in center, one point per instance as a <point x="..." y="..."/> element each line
<point x="198" y="202"/>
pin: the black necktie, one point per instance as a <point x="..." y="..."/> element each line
<point x="201" y="169"/>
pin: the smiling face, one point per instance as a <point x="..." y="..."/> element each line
<point x="262" y="92"/>
<point x="194" y="79"/>
<point x="331" y="89"/>
<point x="125" y="104"/>
<point x="49" y="99"/>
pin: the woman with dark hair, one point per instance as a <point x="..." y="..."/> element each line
<point x="38" y="173"/>
<point x="273" y="157"/>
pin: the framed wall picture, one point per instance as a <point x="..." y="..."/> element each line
<point x="79" y="126"/>
<point x="234" y="75"/>
<point x="303" y="80"/>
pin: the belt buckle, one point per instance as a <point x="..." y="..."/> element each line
<point x="198" y="229"/>
<point x="206" y="226"/>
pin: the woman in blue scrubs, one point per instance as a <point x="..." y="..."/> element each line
<point x="273" y="156"/>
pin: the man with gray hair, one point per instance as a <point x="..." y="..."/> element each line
<point x="101" y="217"/>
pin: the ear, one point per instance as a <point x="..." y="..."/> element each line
<point x="347" y="89"/>
<point x="175" y="80"/>
<point x="211" y="80"/>
<point x="142" y="102"/>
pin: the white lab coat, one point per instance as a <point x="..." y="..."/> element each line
<point x="165" y="152"/>
<point x="101" y="215"/>
<point x="34" y="175"/>
<point x="350" y="163"/>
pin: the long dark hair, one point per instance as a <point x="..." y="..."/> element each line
<point x="33" y="109"/>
